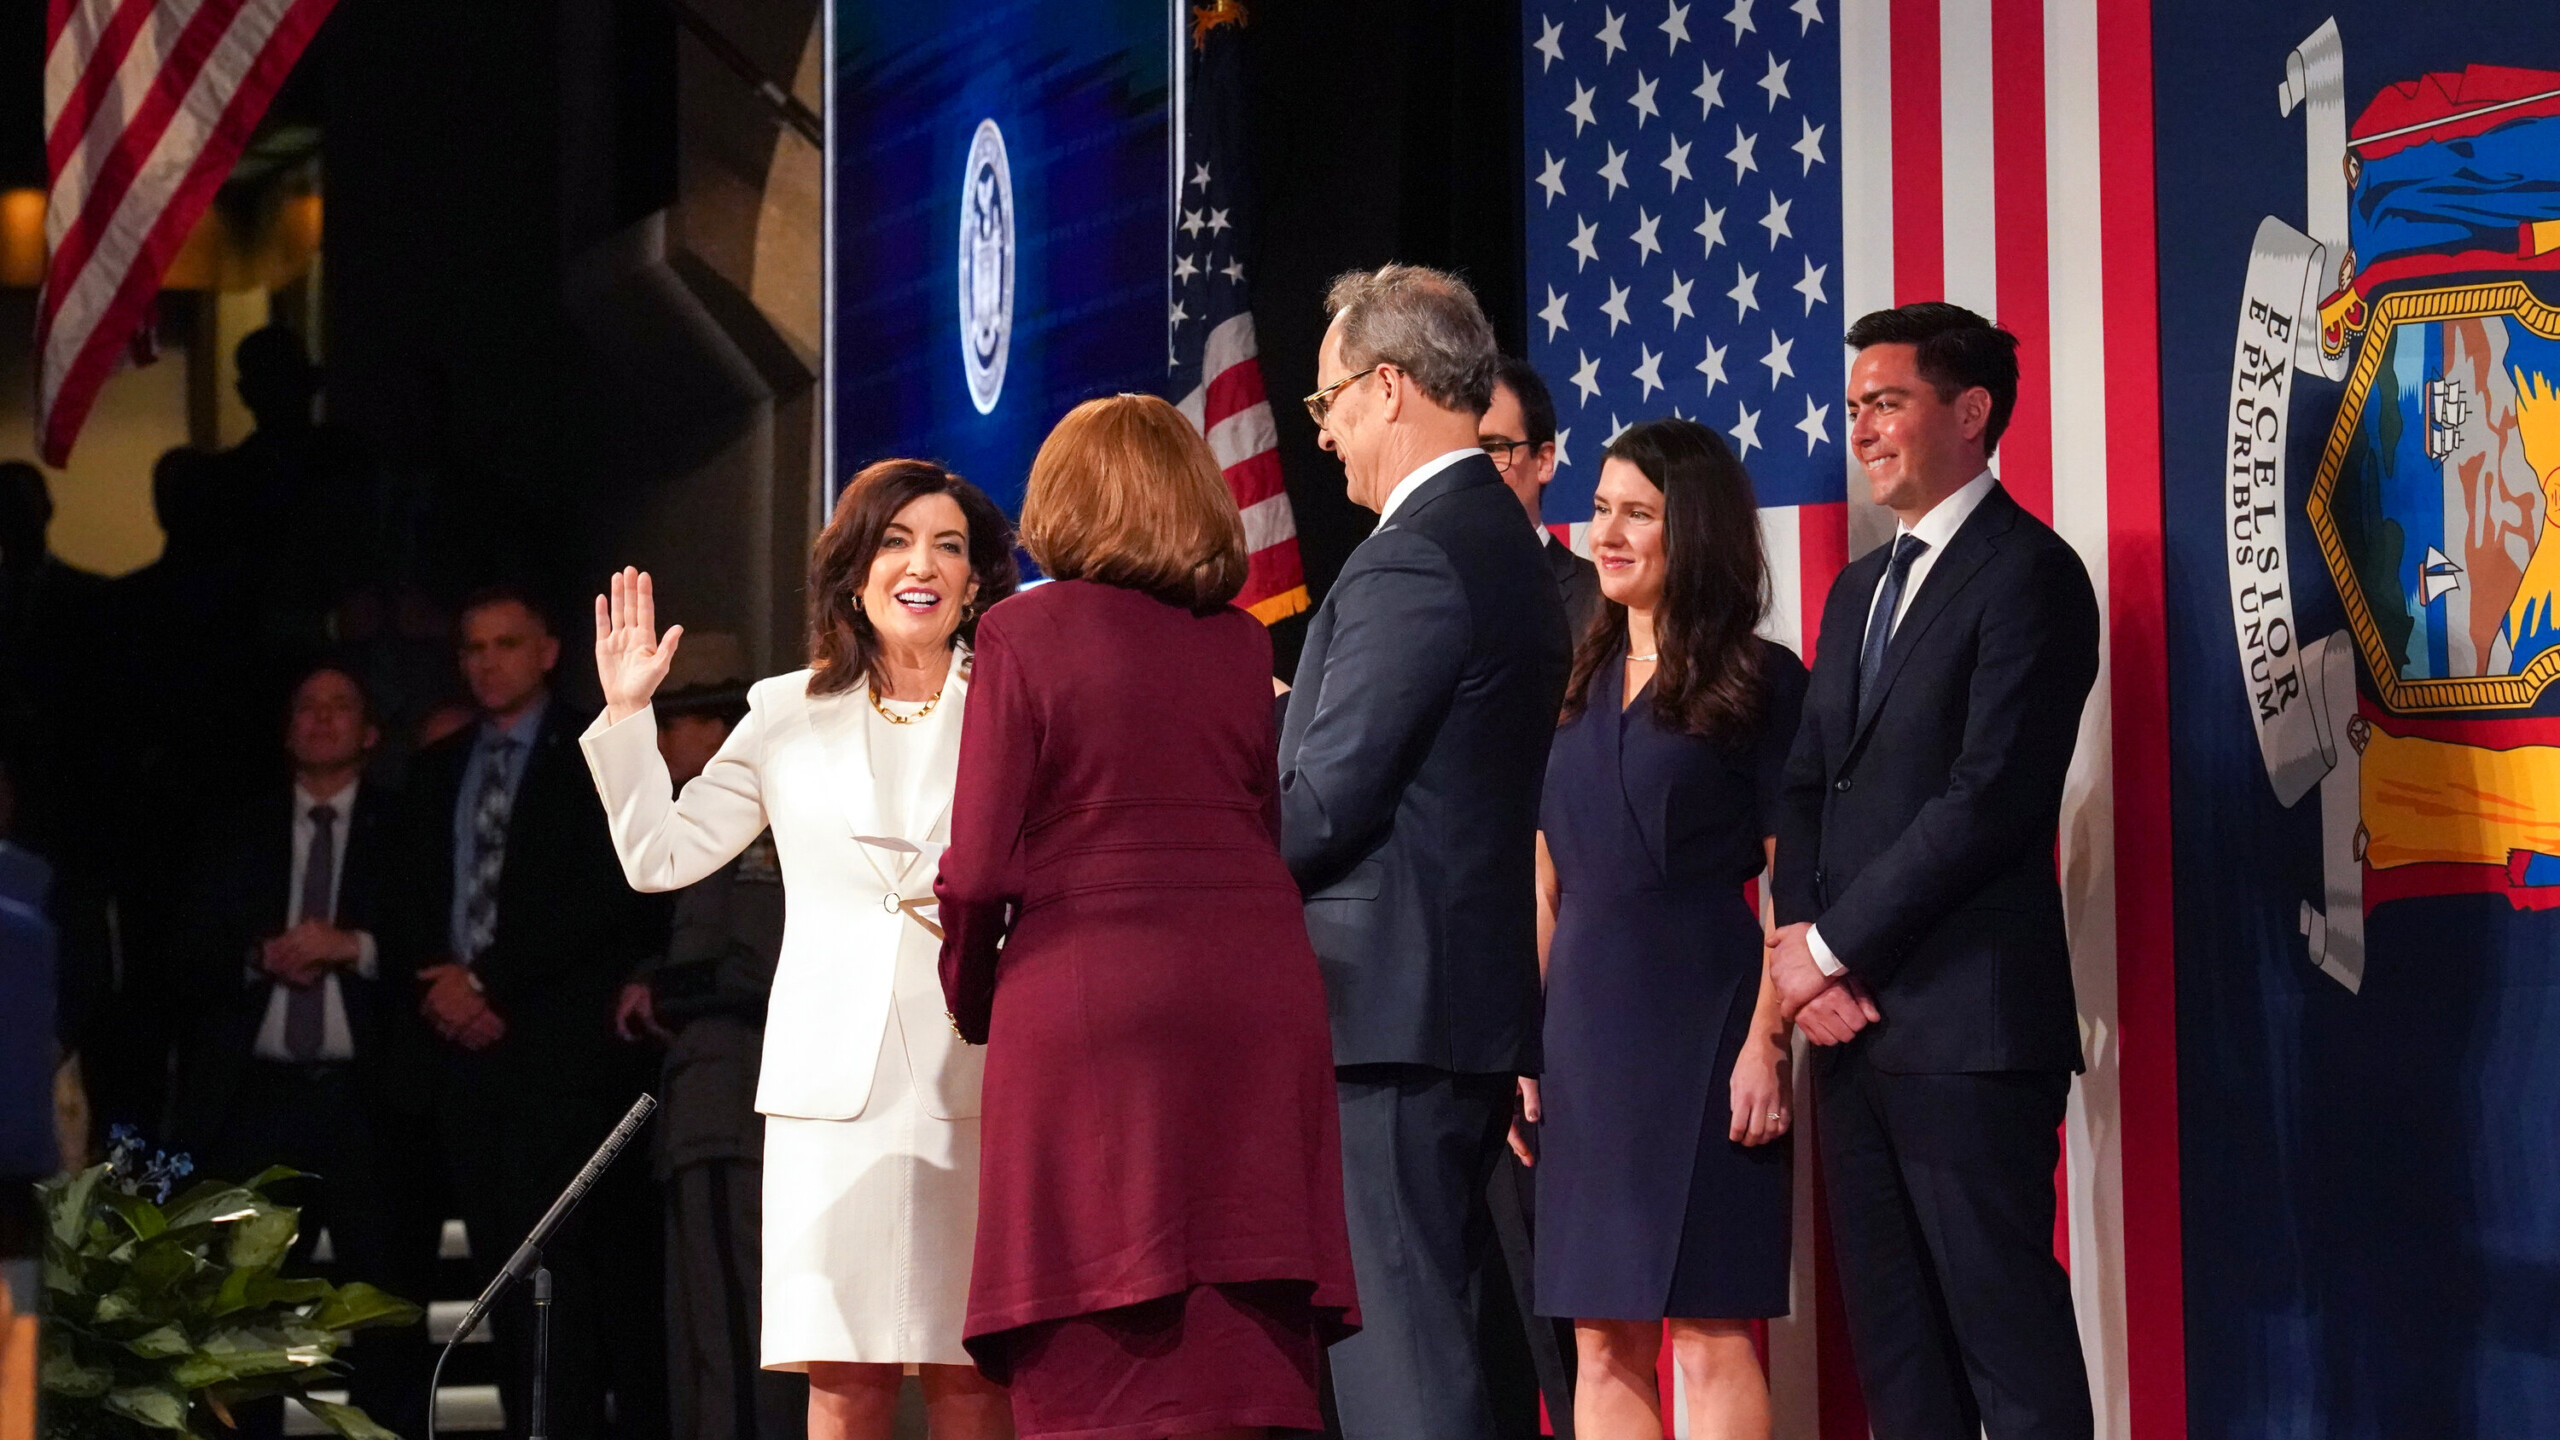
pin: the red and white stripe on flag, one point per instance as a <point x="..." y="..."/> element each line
<point x="1998" y="154"/>
<point x="1231" y="409"/>
<point x="147" y="104"/>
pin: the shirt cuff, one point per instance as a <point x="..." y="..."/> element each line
<point x="1823" y="959"/>
<point x="368" y="958"/>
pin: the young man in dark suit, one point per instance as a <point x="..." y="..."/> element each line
<point x="1921" y="928"/>
<point x="1518" y="432"/>
<point x="1411" y="760"/>
<point x="517" y="926"/>
<point x="289" y="998"/>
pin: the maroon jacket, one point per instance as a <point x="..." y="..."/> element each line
<point x="1160" y="1107"/>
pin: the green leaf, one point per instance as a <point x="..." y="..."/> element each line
<point x="272" y="1174"/>
<point x="163" y="1263"/>
<point x="347" y="1420"/>
<point x="198" y="1371"/>
<point x="67" y="1204"/>
<point x="209" y="1202"/>
<point x="162" y="1407"/>
<point x="64" y="1373"/>
<point x="263" y="1236"/>
<point x="358" y="1306"/>
<point x="159" y="1344"/>
<point x="274" y="1290"/>
<point x="139" y="1215"/>
<point x="113" y="1306"/>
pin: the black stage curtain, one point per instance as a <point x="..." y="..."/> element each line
<point x="1381" y="130"/>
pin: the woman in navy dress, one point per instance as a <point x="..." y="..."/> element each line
<point x="1662" y="1163"/>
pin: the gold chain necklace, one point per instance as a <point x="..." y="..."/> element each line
<point x="896" y="719"/>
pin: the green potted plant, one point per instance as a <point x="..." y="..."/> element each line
<point x="163" y="1314"/>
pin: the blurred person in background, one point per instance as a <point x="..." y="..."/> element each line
<point x="704" y="1000"/>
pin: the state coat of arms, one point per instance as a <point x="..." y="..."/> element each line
<point x="2426" y="283"/>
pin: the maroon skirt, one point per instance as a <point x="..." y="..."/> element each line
<point x="1214" y="1357"/>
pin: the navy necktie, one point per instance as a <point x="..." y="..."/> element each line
<point x="1906" y="550"/>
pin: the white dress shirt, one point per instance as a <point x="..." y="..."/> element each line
<point x="1935" y="529"/>
<point x="1421" y="473"/>
<point x="337" y="1037"/>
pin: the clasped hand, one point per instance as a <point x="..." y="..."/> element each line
<point x="1829" y="1009"/>
<point x="457" y="1009"/>
<point x="301" y="956"/>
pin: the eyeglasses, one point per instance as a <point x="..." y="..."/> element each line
<point x="1320" y="403"/>
<point x="1503" y="452"/>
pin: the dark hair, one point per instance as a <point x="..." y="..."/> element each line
<point x="1715" y="587"/>
<point x="843" y="651"/>
<point x="1959" y="351"/>
<point x="1537" y="407"/>
<point x="186" y="494"/>
<point x="724" y="703"/>
<point x="341" y="669"/>
<point x="488" y="596"/>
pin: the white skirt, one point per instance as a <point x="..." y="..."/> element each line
<point x="868" y="1227"/>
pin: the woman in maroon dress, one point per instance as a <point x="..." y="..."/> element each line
<point x="1160" y="1247"/>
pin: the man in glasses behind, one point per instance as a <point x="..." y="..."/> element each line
<point x="1519" y="435"/>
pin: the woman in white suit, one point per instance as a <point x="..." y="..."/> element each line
<point x="870" y="1098"/>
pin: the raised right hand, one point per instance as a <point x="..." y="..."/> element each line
<point x="631" y="656"/>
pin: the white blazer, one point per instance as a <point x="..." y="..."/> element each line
<point x="802" y="764"/>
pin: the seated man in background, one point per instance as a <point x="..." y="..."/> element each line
<point x="289" y="1003"/>
<point x="705" y="1000"/>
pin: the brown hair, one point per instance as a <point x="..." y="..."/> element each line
<point x="1715" y="587"/>
<point x="843" y="650"/>
<point x="1126" y="493"/>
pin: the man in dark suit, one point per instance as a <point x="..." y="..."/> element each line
<point x="1411" y="760"/>
<point x="518" y="928"/>
<point x="1519" y="434"/>
<point x="1921" y="927"/>
<point x="284" y="980"/>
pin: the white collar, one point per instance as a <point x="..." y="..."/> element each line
<point x="1948" y="516"/>
<point x="344" y="802"/>
<point x="1421" y="473"/>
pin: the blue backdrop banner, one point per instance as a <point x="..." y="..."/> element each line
<point x="997" y="226"/>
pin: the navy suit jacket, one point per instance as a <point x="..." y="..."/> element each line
<point x="1918" y="827"/>
<point x="1411" y="761"/>
<point x="240" y="889"/>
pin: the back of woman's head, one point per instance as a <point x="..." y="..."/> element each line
<point x="1125" y="492"/>
<point x="1715" y="585"/>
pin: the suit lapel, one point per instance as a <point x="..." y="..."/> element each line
<point x="942" y="764"/>
<point x="1966" y="554"/>
<point x="837" y="721"/>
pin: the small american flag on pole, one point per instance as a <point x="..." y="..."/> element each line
<point x="147" y="104"/>
<point x="1215" y="369"/>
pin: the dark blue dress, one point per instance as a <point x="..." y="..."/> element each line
<point x="1645" y="1208"/>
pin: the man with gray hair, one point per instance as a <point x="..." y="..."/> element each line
<point x="1411" y="761"/>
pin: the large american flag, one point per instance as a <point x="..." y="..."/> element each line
<point x="1215" y="366"/>
<point x="147" y="104"/>
<point x="1714" y="191"/>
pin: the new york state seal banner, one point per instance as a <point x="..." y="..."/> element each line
<point x="2359" y="258"/>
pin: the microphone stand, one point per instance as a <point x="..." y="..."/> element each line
<point x="528" y="1261"/>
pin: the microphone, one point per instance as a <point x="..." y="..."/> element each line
<point x="529" y="1254"/>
